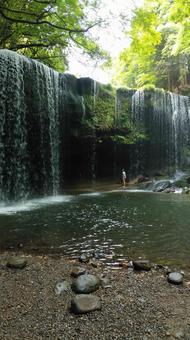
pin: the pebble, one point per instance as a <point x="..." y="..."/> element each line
<point x="61" y="287"/>
<point x="77" y="271"/>
<point x="84" y="258"/>
<point x="105" y="283"/>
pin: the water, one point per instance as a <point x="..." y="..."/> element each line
<point x="115" y="225"/>
<point x="165" y="117"/>
<point x="35" y="105"/>
<point x="138" y="111"/>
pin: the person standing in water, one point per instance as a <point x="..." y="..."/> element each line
<point x="124" y="177"/>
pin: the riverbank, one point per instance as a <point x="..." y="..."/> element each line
<point x="135" y="305"/>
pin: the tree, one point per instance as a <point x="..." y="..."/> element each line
<point x="44" y="29"/>
<point x="159" y="53"/>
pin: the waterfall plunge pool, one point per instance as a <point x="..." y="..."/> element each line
<point x="115" y="225"/>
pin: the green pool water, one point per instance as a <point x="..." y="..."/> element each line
<point x="116" y="224"/>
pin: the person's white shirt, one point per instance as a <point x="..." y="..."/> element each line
<point x="124" y="174"/>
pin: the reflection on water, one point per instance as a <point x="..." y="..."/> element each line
<point x="110" y="225"/>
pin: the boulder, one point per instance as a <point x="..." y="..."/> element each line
<point x="186" y="190"/>
<point x="16" y="262"/>
<point x="142" y="265"/>
<point x="169" y="190"/>
<point x="142" y="179"/>
<point x="175" y="278"/>
<point x="83" y="303"/>
<point x="161" y="186"/>
<point x="85" y="284"/>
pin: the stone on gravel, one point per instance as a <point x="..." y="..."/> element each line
<point x="179" y="334"/>
<point x="62" y="287"/>
<point x="142" y="265"/>
<point x="16" y="262"/>
<point x="105" y="283"/>
<point x="77" y="271"/>
<point x="83" y="303"/>
<point x="85" y="284"/>
<point x="176" y="278"/>
<point x="84" y="258"/>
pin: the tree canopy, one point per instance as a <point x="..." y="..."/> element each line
<point x="159" y="51"/>
<point x="45" y="29"/>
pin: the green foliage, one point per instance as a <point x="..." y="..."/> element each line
<point x="159" y="52"/>
<point x="100" y="111"/>
<point x="103" y="115"/>
<point x="45" y="29"/>
<point x="131" y="138"/>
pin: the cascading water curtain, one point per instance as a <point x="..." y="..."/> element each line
<point x="137" y="152"/>
<point x="29" y="129"/>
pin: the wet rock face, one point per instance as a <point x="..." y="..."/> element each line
<point x="85" y="284"/>
<point x="81" y="304"/>
<point x="161" y="186"/>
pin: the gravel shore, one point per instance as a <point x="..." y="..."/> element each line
<point x="135" y="305"/>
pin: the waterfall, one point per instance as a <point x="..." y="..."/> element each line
<point x="137" y="154"/>
<point x="115" y="144"/>
<point x="41" y="112"/>
<point x="46" y="96"/>
<point x="93" y="156"/>
<point x="181" y="127"/>
<point x="83" y="107"/>
<point x="13" y="129"/>
<point x="166" y="119"/>
<point x="34" y="102"/>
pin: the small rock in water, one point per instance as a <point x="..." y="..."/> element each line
<point x="98" y="255"/>
<point x="84" y="258"/>
<point x="77" y="271"/>
<point x="61" y="287"/>
<point x="85" y="284"/>
<point x="176" y="278"/>
<point x="142" y="265"/>
<point x="83" y="303"/>
<point x="16" y="262"/>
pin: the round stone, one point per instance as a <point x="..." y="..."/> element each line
<point x="175" y="277"/>
<point x="83" y="303"/>
<point x="85" y="284"/>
